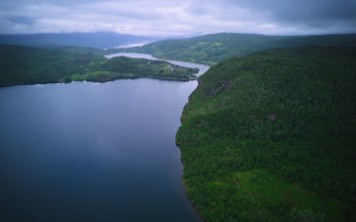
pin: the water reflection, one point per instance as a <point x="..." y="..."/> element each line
<point x="93" y="152"/>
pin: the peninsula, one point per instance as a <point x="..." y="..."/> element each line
<point x="32" y="65"/>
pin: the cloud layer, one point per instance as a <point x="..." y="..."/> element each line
<point x="178" y="17"/>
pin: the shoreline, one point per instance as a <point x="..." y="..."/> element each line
<point x="182" y="161"/>
<point x="91" y="81"/>
<point x="185" y="190"/>
<point x="202" y="69"/>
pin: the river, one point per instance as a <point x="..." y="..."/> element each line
<point x="93" y="152"/>
<point x="202" y="68"/>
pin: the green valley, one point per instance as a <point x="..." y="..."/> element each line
<point x="271" y="137"/>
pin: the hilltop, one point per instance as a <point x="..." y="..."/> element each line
<point x="271" y="137"/>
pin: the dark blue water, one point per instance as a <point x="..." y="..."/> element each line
<point x="93" y="152"/>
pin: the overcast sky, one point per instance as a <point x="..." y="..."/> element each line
<point x="178" y="17"/>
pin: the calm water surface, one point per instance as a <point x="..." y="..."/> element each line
<point x="93" y="152"/>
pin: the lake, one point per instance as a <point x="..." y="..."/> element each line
<point x="93" y="152"/>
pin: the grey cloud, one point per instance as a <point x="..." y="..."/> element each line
<point x="307" y="12"/>
<point x="21" y="20"/>
<point x="178" y="17"/>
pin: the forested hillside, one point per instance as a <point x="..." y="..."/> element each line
<point x="271" y="137"/>
<point x="214" y="48"/>
<point x="29" y="65"/>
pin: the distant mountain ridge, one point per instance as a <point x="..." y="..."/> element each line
<point x="96" y="39"/>
<point x="214" y="48"/>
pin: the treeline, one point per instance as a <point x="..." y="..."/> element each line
<point x="272" y="137"/>
<point x="124" y="68"/>
<point x="29" y="65"/>
<point x="214" y="48"/>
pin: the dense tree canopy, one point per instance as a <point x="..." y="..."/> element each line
<point x="272" y="137"/>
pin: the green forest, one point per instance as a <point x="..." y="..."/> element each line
<point x="268" y="135"/>
<point x="31" y="65"/>
<point x="271" y="137"/>
<point x="213" y="48"/>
